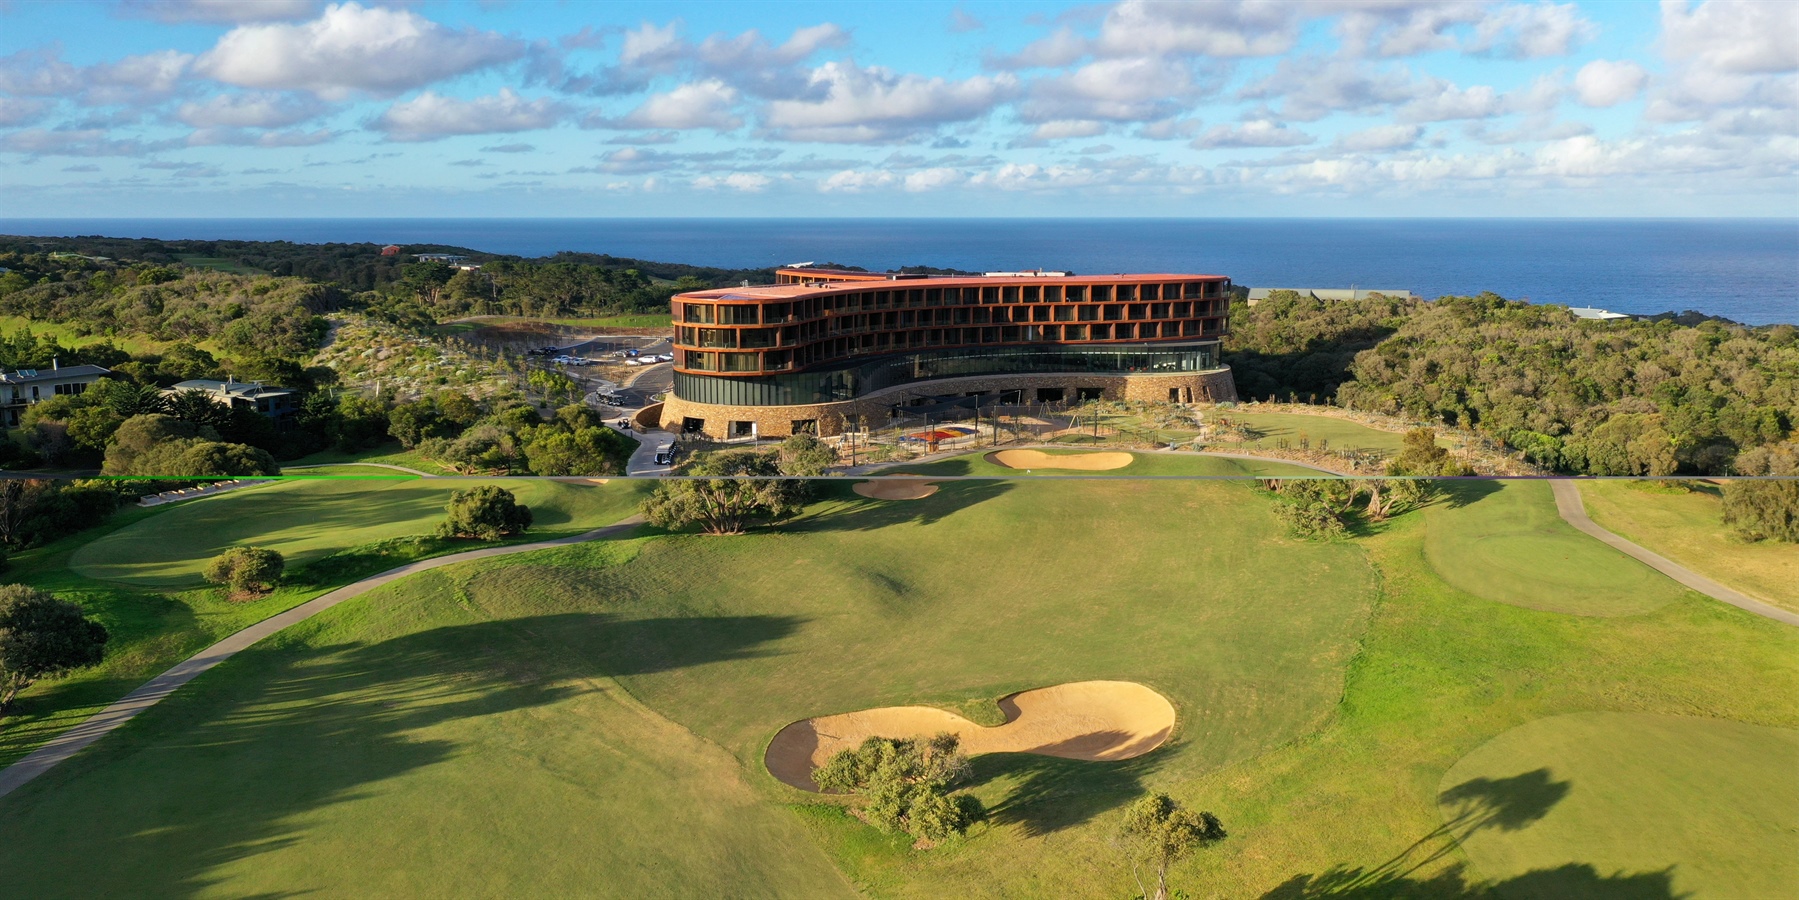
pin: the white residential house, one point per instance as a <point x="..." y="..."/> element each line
<point x="21" y="389"/>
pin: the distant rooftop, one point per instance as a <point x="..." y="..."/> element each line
<point x="231" y="388"/>
<point x="1590" y="312"/>
<point x="27" y="376"/>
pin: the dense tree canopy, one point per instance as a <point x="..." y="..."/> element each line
<point x="41" y="635"/>
<point x="486" y="512"/>
<point x="731" y="491"/>
<point x="907" y="784"/>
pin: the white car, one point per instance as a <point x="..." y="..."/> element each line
<point x="665" y="357"/>
<point x="633" y="362"/>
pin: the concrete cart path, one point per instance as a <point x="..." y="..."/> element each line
<point x="1574" y="512"/>
<point x="152" y="692"/>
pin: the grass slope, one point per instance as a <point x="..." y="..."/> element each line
<point x="457" y="733"/>
<point x="1688" y="527"/>
<point x="976" y="463"/>
<point x="1342" y="434"/>
<point x="1725" y="795"/>
<point x="309" y="518"/>
<point x="1504" y="541"/>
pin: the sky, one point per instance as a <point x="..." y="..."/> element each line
<point x="1222" y="108"/>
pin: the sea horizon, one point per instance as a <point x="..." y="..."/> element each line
<point x="1738" y="268"/>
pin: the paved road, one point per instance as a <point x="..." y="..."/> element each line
<point x="152" y="692"/>
<point x="1568" y="503"/>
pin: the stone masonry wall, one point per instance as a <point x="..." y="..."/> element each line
<point x="777" y="421"/>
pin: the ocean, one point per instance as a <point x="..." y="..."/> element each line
<point x="1742" y="269"/>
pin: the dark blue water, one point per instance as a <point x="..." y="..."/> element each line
<point x="1743" y="269"/>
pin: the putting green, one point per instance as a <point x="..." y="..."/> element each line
<point x="1504" y="541"/>
<point x="309" y="518"/>
<point x="976" y="463"/>
<point x="1712" y="803"/>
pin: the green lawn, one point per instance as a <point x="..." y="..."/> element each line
<point x="390" y="453"/>
<point x="1342" y="434"/>
<point x="590" y="720"/>
<point x="1505" y="542"/>
<point x="1688" y="527"/>
<point x="309" y="518"/>
<point x="1549" y="794"/>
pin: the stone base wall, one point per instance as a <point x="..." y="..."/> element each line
<point x="778" y="421"/>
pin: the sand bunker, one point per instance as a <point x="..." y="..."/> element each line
<point x="1093" y="720"/>
<point x="895" y="489"/>
<point x="1037" y="459"/>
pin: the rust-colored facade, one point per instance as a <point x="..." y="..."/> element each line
<point x="826" y="337"/>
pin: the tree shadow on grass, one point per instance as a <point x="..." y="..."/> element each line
<point x="1480" y="804"/>
<point x="858" y="513"/>
<point x="1051" y="794"/>
<point x="1457" y="493"/>
<point x="243" y="760"/>
<point x="1569" y="882"/>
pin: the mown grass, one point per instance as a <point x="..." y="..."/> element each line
<point x="1688" y="527"/>
<point x="389" y="453"/>
<point x="155" y="625"/>
<point x="1504" y="541"/>
<point x="589" y="720"/>
<point x="308" y="518"/>
<point x="1571" y="780"/>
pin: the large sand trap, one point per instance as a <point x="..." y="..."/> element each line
<point x="895" y="489"/>
<point x="1093" y="720"/>
<point x="1037" y="459"/>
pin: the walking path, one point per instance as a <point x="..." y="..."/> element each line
<point x="152" y="692"/>
<point x="1568" y="503"/>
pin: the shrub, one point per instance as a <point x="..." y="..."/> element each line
<point x="249" y="571"/>
<point x="486" y="512"/>
<point x="1763" y="510"/>
<point x="908" y="784"/>
<point x="41" y="635"/>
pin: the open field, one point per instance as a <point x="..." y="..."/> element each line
<point x="1688" y="527"/>
<point x="68" y="338"/>
<point x="1564" y="782"/>
<point x="309" y="518"/>
<point x="592" y="720"/>
<point x="1341" y="433"/>
<point x="1504" y="541"/>
<point x="220" y="264"/>
<point x="390" y="453"/>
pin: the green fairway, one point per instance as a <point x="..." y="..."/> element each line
<point x="1342" y="434"/>
<point x="590" y="720"/>
<point x="1721" y="798"/>
<point x="1504" y="541"/>
<point x="1688" y="527"/>
<point x="309" y="518"/>
<point x="975" y="463"/>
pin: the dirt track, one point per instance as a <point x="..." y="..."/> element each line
<point x="1091" y="720"/>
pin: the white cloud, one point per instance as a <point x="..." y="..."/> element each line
<point x="750" y="50"/>
<point x="746" y="182"/>
<point x="1067" y="128"/>
<point x="352" y="48"/>
<point x="220" y="11"/>
<point x="1170" y="129"/>
<point x="430" y="116"/>
<point x="702" y="104"/>
<point x="933" y="179"/>
<point x="251" y="110"/>
<point x="1533" y="31"/>
<point x="73" y="142"/>
<point x="16" y="111"/>
<point x="650" y="47"/>
<point x="860" y="105"/>
<point x="1741" y="37"/>
<point x="851" y="181"/>
<point x="1604" y="82"/>
<point x="1244" y="28"/>
<point x="240" y="137"/>
<point x="1400" y="29"/>
<point x="1257" y="133"/>
<point x="1380" y="137"/>
<point x="1118" y="90"/>
<point x="145" y="78"/>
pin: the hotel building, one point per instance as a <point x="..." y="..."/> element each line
<point x="821" y="349"/>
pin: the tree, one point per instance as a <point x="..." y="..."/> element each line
<point x="139" y="435"/>
<point x="41" y="635"/>
<point x="729" y="503"/>
<point x="908" y="784"/>
<point x="584" y="451"/>
<point x="806" y="456"/>
<point x="1763" y="510"/>
<point x="249" y="571"/>
<point x="1420" y="455"/>
<point x="1159" y="833"/>
<point x="487" y="512"/>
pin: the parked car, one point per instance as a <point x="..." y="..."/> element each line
<point x="632" y="352"/>
<point x="665" y="357"/>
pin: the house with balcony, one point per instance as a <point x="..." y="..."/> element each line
<point x="21" y="389"/>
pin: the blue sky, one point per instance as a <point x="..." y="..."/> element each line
<point x="170" y="108"/>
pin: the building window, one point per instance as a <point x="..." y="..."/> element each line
<point x="743" y="429"/>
